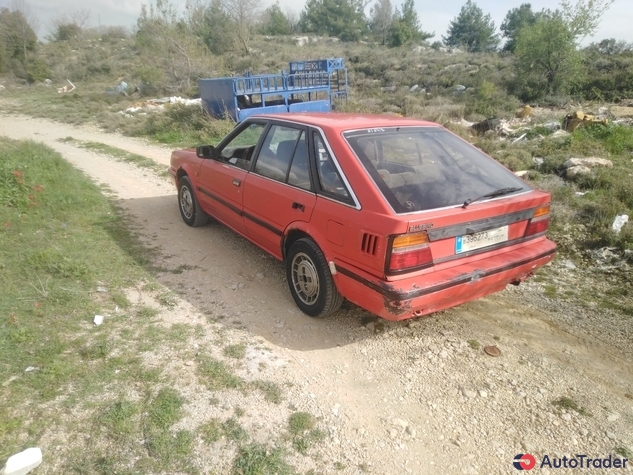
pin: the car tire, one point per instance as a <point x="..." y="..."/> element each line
<point x="310" y="280"/>
<point x="190" y="209"/>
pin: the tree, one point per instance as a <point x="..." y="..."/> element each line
<point x="27" y="27"/>
<point x="381" y="19"/>
<point x="516" y="19"/>
<point x="17" y="38"/>
<point x="275" y="22"/>
<point x="472" y="30"/>
<point x="216" y="29"/>
<point x="70" y="25"/>
<point x="243" y="15"/>
<point x="547" y="59"/>
<point x="406" y="26"/>
<point x="172" y="56"/>
<point x="344" y="19"/>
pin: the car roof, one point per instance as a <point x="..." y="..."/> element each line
<point x="344" y="121"/>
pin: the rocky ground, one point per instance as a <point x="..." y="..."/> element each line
<point x="419" y="397"/>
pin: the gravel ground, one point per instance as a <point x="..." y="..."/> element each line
<point x="416" y="397"/>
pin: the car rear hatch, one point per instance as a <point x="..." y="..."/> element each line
<point x="465" y="235"/>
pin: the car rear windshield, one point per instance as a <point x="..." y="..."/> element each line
<point x="423" y="168"/>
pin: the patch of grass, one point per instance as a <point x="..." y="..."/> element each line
<point x="272" y="392"/>
<point x="234" y="431"/>
<point x="118" y="154"/>
<point x="302" y="431"/>
<point x="550" y="291"/>
<point x="147" y="312"/>
<point x="474" y="344"/>
<point x="300" y="422"/>
<point x="119" y="418"/>
<point x="211" y="431"/>
<point x="235" y="351"/>
<point x="624" y="452"/>
<point x="568" y="403"/>
<point x="217" y="375"/>
<point x="257" y="459"/>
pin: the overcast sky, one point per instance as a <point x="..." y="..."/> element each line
<point x="435" y="15"/>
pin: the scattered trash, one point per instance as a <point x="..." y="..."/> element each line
<point x="581" y="193"/>
<point x="23" y="462"/>
<point x="492" y="351"/>
<point x="574" y="120"/>
<point x="460" y="88"/>
<point x="619" y="222"/>
<point x="30" y="369"/>
<point x="522" y="173"/>
<point x="65" y="89"/>
<point x="518" y="139"/>
<point x="552" y="126"/>
<point x="101" y="289"/>
<point x="121" y="88"/>
<point x="525" y="111"/>
<point x="1" y="87"/>
<point x="484" y="126"/>
<point x="413" y="88"/>
<point x="98" y="319"/>
<point x="538" y="161"/>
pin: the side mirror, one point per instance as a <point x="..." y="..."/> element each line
<point x="205" y="151"/>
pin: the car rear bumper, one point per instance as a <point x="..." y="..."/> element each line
<point x="435" y="291"/>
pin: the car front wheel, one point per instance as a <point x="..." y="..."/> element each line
<point x="190" y="209"/>
<point x="310" y="280"/>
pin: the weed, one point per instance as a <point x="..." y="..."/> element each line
<point x="257" y="459"/>
<point x="234" y="431"/>
<point x="624" y="452"/>
<point x="165" y="409"/>
<point x="239" y="412"/>
<point x="300" y="422"/>
<point x="147" y="312"/>
<point x="272" y="392"/>
<point x="569" y="404"/>
<point x="550" y="291"/>
<point x="235" y="351"/>
<point x="474" y="344"/>
<point x="119" y="418"/>
<point x="211" y="431"/>
<point x="216" y="375"/>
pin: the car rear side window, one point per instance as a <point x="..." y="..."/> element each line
<point x="329" y="176"/>
<point x="423" y="168"/>
<point x="300" y="169"/>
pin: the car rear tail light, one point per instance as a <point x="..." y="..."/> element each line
<point x="409" y="252"/>
<point x="539" y="222"/>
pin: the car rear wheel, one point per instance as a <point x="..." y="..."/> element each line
<point x="190" y="209"/>
<point x="310" y="280"/>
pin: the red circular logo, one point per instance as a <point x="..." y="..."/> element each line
<point x="524" y="462"/>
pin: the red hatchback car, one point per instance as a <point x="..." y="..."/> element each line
<point x="399" y="216"/>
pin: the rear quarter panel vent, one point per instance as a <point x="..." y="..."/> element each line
<point x="370" y="244"/>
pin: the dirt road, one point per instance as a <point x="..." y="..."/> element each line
<point x="414" y="397"/>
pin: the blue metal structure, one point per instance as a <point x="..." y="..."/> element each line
<point x="311" y="86"/>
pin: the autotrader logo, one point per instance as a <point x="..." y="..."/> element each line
<point x="524" y="462"/>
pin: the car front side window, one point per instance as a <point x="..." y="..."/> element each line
<point x="239" y="150"/>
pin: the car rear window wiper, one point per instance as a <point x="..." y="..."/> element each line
<point x="493" y="194"/>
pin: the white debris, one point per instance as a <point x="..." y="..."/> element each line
<point x="98" y="319"/>
<point x="23" y="463"/>
<point x="620" y="220"/>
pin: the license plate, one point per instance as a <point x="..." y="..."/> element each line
<point x="470" y="242"/>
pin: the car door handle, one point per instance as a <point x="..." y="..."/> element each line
<point x="236" y="182"/>
<point x="298" y="206"/>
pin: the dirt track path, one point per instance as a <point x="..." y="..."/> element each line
<point x="400" y="398"/>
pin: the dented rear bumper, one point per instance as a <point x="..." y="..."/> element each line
<point x="441" y="289"/>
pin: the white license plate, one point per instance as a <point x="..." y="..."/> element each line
<point x="470" y="242"/>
